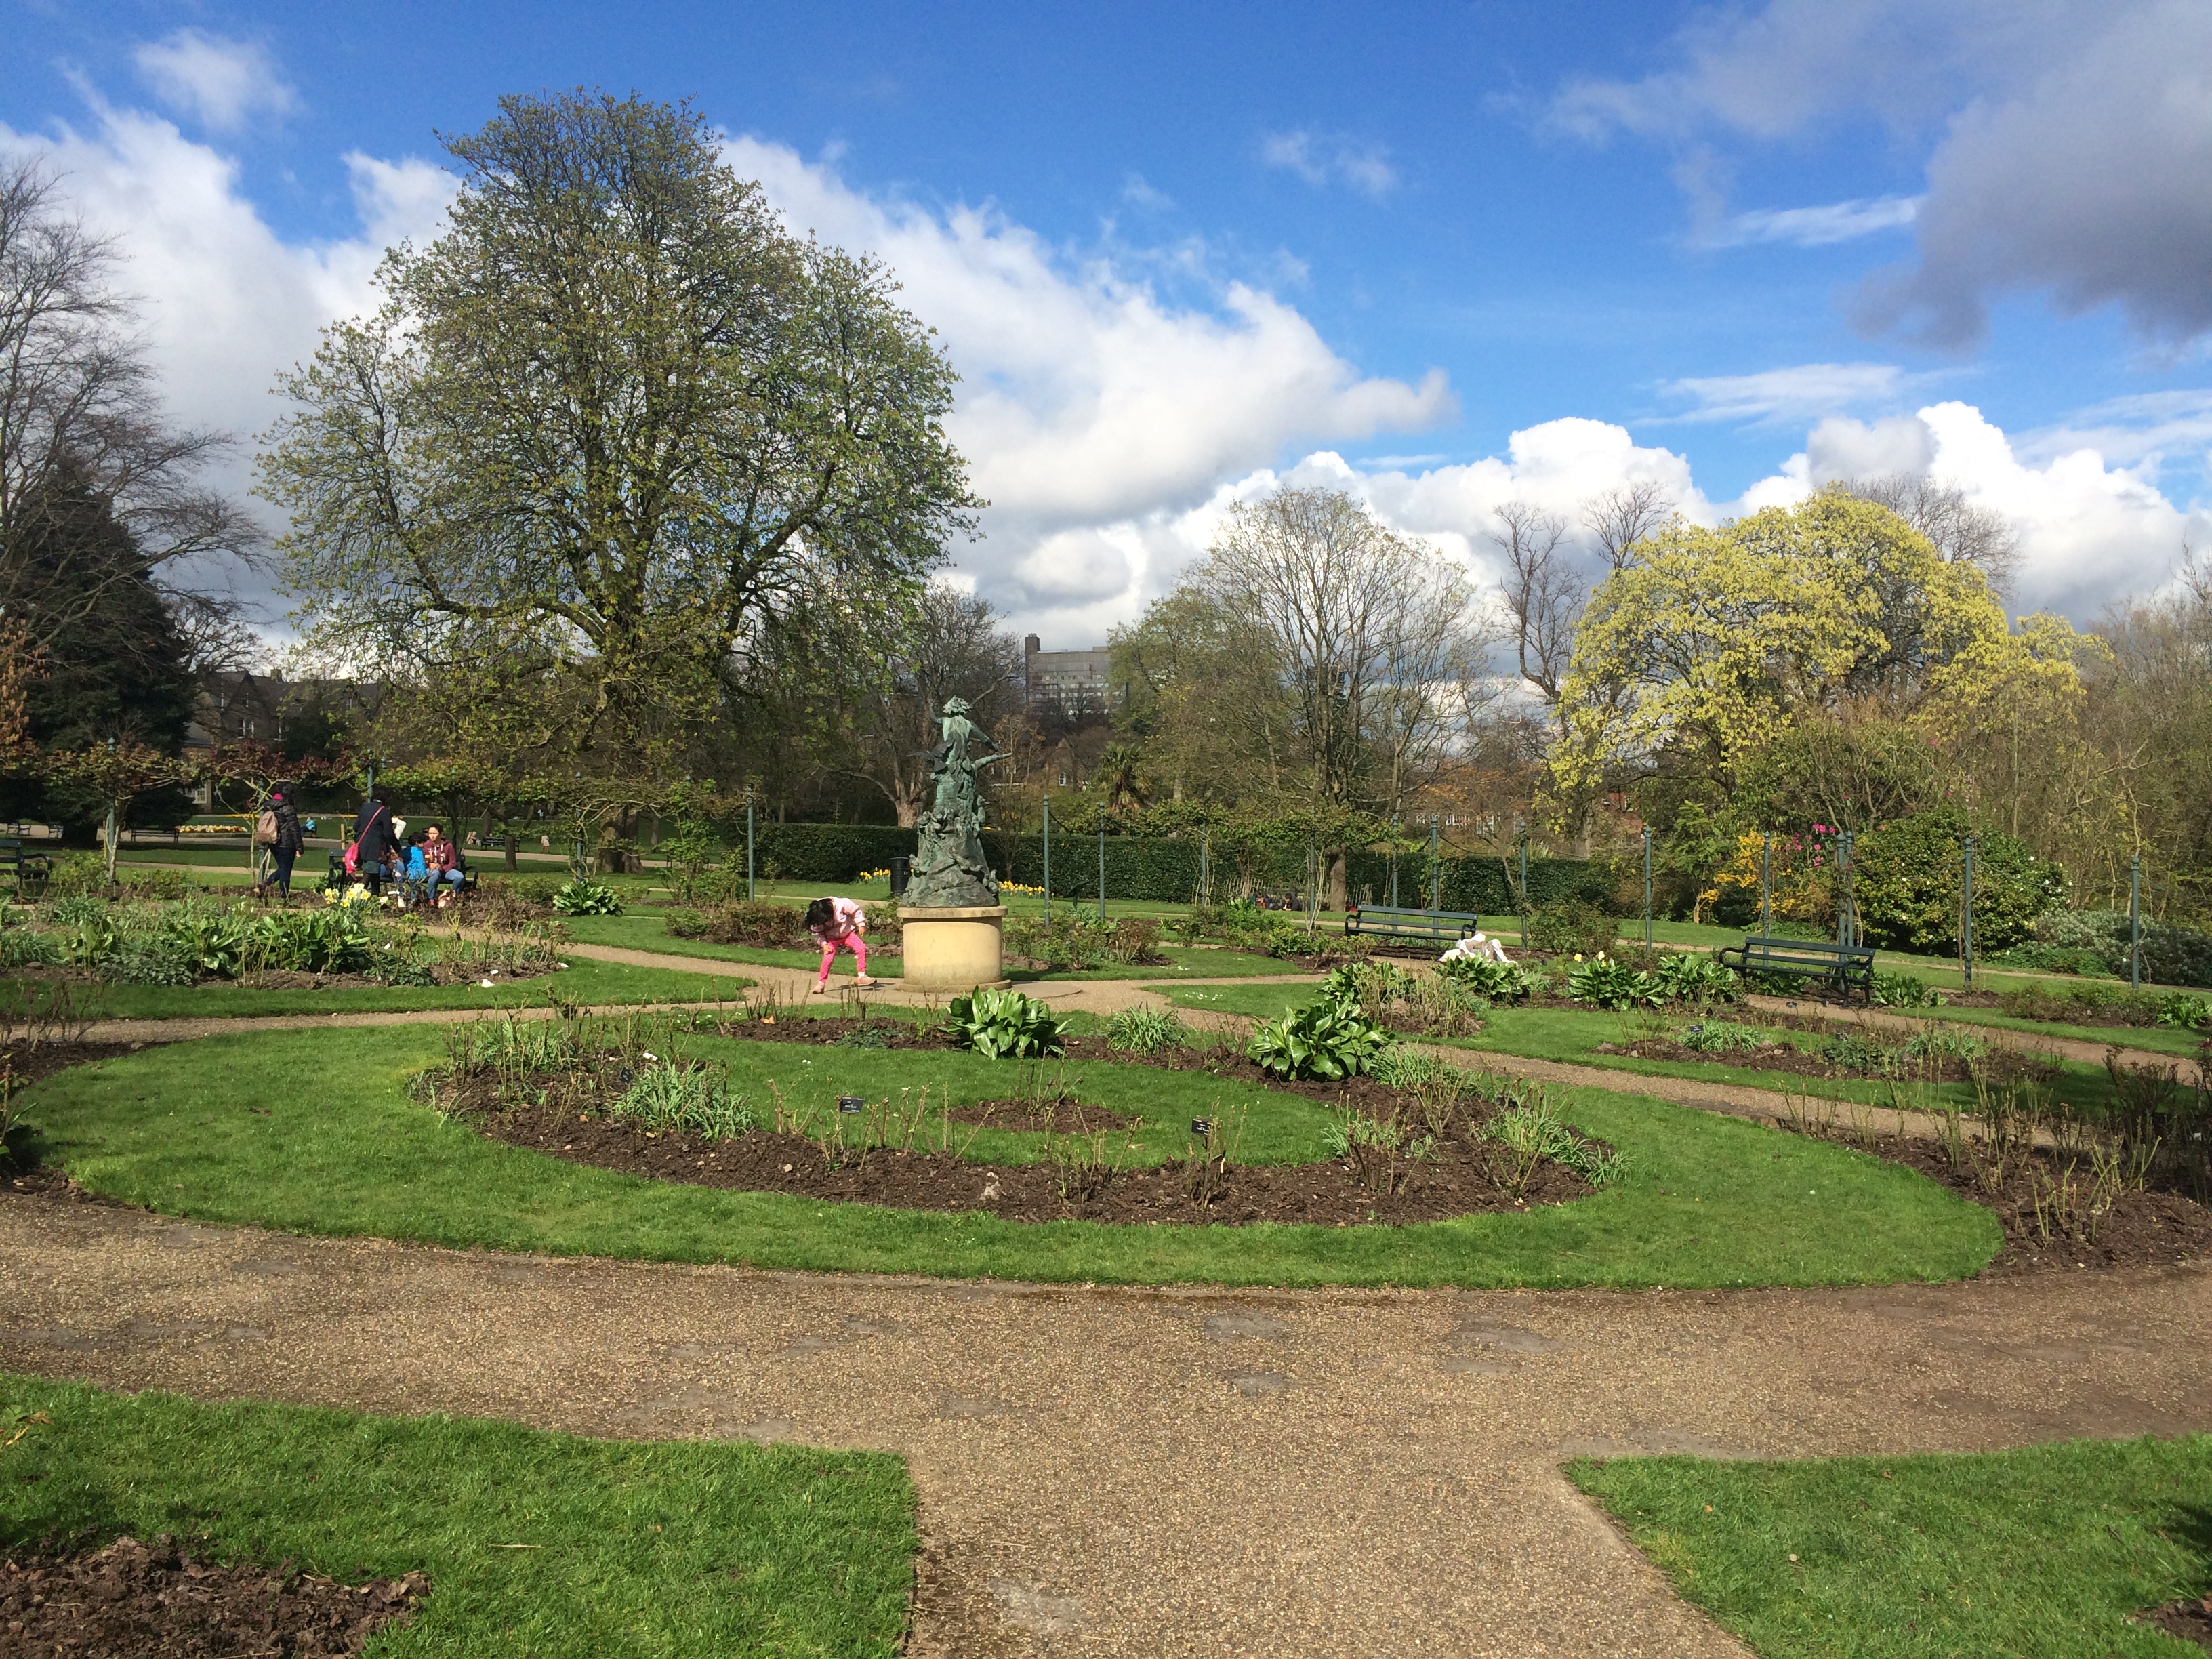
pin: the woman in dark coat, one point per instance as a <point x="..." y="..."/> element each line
<point x="290" y="841"/>
<point x="372" y="833"/>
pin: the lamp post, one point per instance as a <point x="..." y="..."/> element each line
<point x="1647" y="887"/>
<point x="1766" y="892"/>
<point x="1966" y="916"/>
<point x="2135" y="923"/>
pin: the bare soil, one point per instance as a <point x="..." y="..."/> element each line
<point x="1776" y="1057"/>
<point x="2188" y="1621"/>
<point x="134" y="1601"/>
<point x="1459" y="1174"/>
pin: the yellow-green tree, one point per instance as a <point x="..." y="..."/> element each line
<point x="1711" y="645"/>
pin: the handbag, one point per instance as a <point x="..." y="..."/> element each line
<point x="353" y="852"/>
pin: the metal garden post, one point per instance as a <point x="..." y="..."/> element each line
<point x="1048" y="862"/>
<point x="749" y="894"/>
<point x="1647" y="887"/>
<point x="1436" y="868"/>
<point x="1966" y="916"/>
<point x="1766" y="892"/>
<point x="2134" y="924"/>
<point x="1524" y="890"/>
<point x="1846" y="923"/>
<point x="1394" y="860"/>
<point x="1205" y="864"/>
<point x="1313" y="886"/>
<point x="1102" y="867"/>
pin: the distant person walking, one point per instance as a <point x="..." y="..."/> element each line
<point x="837" y="924"/>
<point x="282" y="819"/>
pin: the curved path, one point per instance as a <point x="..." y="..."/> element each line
<point x="1144" y="1472"/>
<point x="1136" y="1473"/>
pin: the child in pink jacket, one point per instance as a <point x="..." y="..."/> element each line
<point x="838" y="923"/>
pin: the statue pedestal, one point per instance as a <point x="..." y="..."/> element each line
<point x="954" y="948"/>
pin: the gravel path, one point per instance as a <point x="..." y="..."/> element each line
<point x="1111" y="1473"/>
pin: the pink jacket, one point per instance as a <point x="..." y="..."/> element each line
<point x="846" y="918"/>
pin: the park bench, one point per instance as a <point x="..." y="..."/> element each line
<point x="1847" y="967"/>
<point x="28" y="870"/>
<point x="336" y="879"/>
<point x="1440" y="928"/>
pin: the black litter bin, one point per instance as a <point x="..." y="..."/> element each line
<point x="902" y="868"/>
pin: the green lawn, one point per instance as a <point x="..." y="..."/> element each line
<point x="675" y="1549"/>
<point x="584" y="980"/>
<point x="1707" y="1200"/>
<point x="647" y="930"/>
<point x="2043" y="1550"/>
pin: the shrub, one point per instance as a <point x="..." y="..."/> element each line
<point x="1500" y="982"/>
<point x="1070" y="941"/>
<point x="2185" y="1013"/>
<point x="1945" y="1042"/>
<point x="1849" y="1051"/>
<point x="1324" y="1039"/>
<point x="1145" y="1031"/>
<point x="1001" y="1024"/>
<point x="684" y="924"/>
<point x="1368" y="985"/>
<point x="674" y="1094"/>
<point x="2171" y="956"/>
<point x="587" y="898"/>
<point x="149" y="959"/>
<point x="1905" y="885"/>
<point x="26" y="947"/>
<point x="1134" y="939"/>
<point x="1682" y="977"/>
<point x="400" y="967"/>
<point x="79" y="874"/>
<point x="211" y="938"/>
<point x="1529" y="1131"/>
<point x="1571" y="927"/>
<point x="328" y="941"/>
<point x="2051" y="959"/>
<point x="1904" y="991"/>
<point x="1605" y="984"/>
<point x="755" y="922"/>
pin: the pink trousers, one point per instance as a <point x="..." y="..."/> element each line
<point x="849" y="941"/>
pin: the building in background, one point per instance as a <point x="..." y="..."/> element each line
<point x="1073" y="684"/>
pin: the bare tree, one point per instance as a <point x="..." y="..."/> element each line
<point x="1961" y="531"/>
<point x="1624" y="516"/>
<point x="1544" y="593"/>
<point x="953" y="646"/>
<point x="80" y="421"/>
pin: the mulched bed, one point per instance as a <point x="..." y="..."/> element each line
<point x="2189" y="1621"/>
<point x="134" y="1601"/>
<point x="1458" y="1180"/>
<point x="2141" y="1229"/>
<point x="442" y="972"/>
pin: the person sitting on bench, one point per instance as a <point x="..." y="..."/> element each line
<point x="441" y="861"/>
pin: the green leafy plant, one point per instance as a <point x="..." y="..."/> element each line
<point x="26" y="947"/>
<point x="1500" y="982"/>
<point x="2185" y="1013"/>
<point x="1907" y="877"/>
<point x="1683" y="977"/>
<point x="1529" y="1131"/>
<point x="1145" y="1031"/>
<point x="212" y="939"/>
<point x="1002" y="1024"/>
<point x="1368" y="985"/>
<point x="756" y="922"/>
<point x="587" y="898"/>
<point x="685" y="1094"/>
<point x="1849" y="1051"/>
<point x="327" y="941"/>
<point x="1324" y="1039"/>
<point x="684" y="924"/>
<point x="1904" y="991"/>
<point x="1134" y="939"/>
<point x="1945" y="1042"/>
<point x="1721" y="1037"/>
<point x="149" y="959"/>
<point x="1605" y="984"/>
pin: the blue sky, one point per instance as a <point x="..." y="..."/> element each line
<point x="1180" y="252"/>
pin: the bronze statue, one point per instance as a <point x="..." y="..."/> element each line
<point x="949" y="867"/>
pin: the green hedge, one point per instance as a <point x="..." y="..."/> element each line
<point x="1164" y="870"/>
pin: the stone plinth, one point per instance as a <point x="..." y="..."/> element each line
<point x="953" y="949"/>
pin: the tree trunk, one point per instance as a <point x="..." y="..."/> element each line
<point x="1339" y="873"/>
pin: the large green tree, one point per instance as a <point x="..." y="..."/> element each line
<point x="607" y="432"/>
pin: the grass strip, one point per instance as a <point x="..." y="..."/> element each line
<point x="344" y="1149"/>
<point x="2044" y="1550"/>
<point x="669" y="1548"/>
<point x="584" y="980"/>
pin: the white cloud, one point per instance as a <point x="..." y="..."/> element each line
<point x="1799" y="392"/>
<point x="220" y="82"/>
<point x="1093" y="414"/>
<point x="2070" y="142"/>
<point x="1814" y="226"/>
<point x="1321" y="159"/>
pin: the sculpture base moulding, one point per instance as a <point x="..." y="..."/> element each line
<point x="954" y="948"/>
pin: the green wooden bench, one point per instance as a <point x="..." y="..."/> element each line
<point x="1847" y="967"/>
<point x="1441" y="928"/>
<point x="28" y="870"/>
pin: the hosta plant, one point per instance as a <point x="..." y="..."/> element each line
<point x="1501" y="982"/>
<point x="1682" y="977"/>
<point x="1605" y="984"/>
<point x="1005" y="1024"/>
<point x="1325" y="1039"/>
<point x="587" y="898"/>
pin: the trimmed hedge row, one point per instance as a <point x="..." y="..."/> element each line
<point x="1165" y="869"/>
